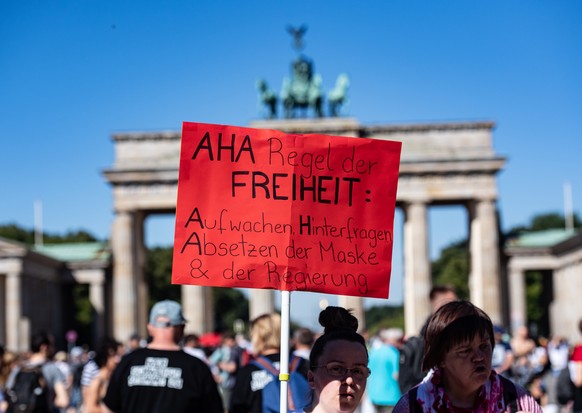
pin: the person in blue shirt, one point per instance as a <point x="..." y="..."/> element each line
<point x="383" y="388"/>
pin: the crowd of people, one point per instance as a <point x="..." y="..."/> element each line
<point x="463" y="363"/>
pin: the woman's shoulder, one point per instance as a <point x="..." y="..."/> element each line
<point x="402" y="406"/>
<point x="247" y="369"/>
<point x="51" y="372"/>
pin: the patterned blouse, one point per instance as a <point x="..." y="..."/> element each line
<point x="431" y="398"/>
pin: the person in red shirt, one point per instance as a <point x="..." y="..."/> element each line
<point x="576" y="361"/>
<point x="577" y="352"/>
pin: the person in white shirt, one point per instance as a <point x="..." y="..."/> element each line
<point x="192" y="347"/>
<point x="303" y="339"/>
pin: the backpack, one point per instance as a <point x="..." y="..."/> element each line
<point x="410" y="371"/>
<point x="29" y="391"/>
<point x="564" y="387"/>
<point x="298" y="388"/>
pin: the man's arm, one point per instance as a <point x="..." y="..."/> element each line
<point x="61" y="395"/>
<point x="112" y="400"/>
<point x="577" y="373"/>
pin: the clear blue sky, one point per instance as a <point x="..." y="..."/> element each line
<point x="72" y="73"/>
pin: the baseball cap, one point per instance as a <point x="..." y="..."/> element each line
<point x="76" y="352"/>
<point x="168" y="309"/>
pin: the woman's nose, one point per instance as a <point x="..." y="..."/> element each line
<point x="348" y="378"/>
<point x="478" y="354"/>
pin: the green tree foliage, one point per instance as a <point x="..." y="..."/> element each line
<point x="25" y="236"/>
<point x="452" y="268"/>
<point x="379" y="317"/>
<point x="158" y="273"/>
<point x="71" y="236"/>
<point x="230" y="304"/>
<point x="84" y="313"/>
<point x="17" y="233"/>
<point x="550" y="221"/>
<point x="541" y="222"/>
<point x="533" y="297"/>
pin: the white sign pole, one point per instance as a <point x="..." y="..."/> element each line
<point x="284" y="363"/>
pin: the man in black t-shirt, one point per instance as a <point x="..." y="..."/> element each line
<point x="162" y="378"/>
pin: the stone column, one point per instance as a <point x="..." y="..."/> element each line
<point x="517" y="310"/>
<point x="3" y="306"/>
<point x="484" y="279"/>
<point x="356" y="304"/>
<point x="417" y="277"/>
<point x="13" y="311"/>
<point x="142" y="292"/>
<point x="97" y="299"/>
<point x="24" y="334"/>
<point x="125" y="294"/>
<point x="261" y="302"/>
<point x="198" y="309"/>
<point x="566" y="307"/>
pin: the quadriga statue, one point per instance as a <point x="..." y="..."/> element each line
<point x="268" y="98"/>
<point x="338" y="96"/>
<point x="303" y="90"/>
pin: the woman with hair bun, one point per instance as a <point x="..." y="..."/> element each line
<point x="338" y="364"/>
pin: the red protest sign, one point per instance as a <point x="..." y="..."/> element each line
<point x="265" y="209"/>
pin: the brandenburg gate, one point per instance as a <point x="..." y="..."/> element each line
<point x="441" y="164"/>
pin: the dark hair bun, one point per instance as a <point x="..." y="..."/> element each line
<point x="337" y="318"/>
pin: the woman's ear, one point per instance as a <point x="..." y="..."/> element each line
<point x="311" y="379"/>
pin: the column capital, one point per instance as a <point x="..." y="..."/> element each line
<point x="415" y="201"/>
<point x="471" y="203"/>
<point x="515" y="266"/>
